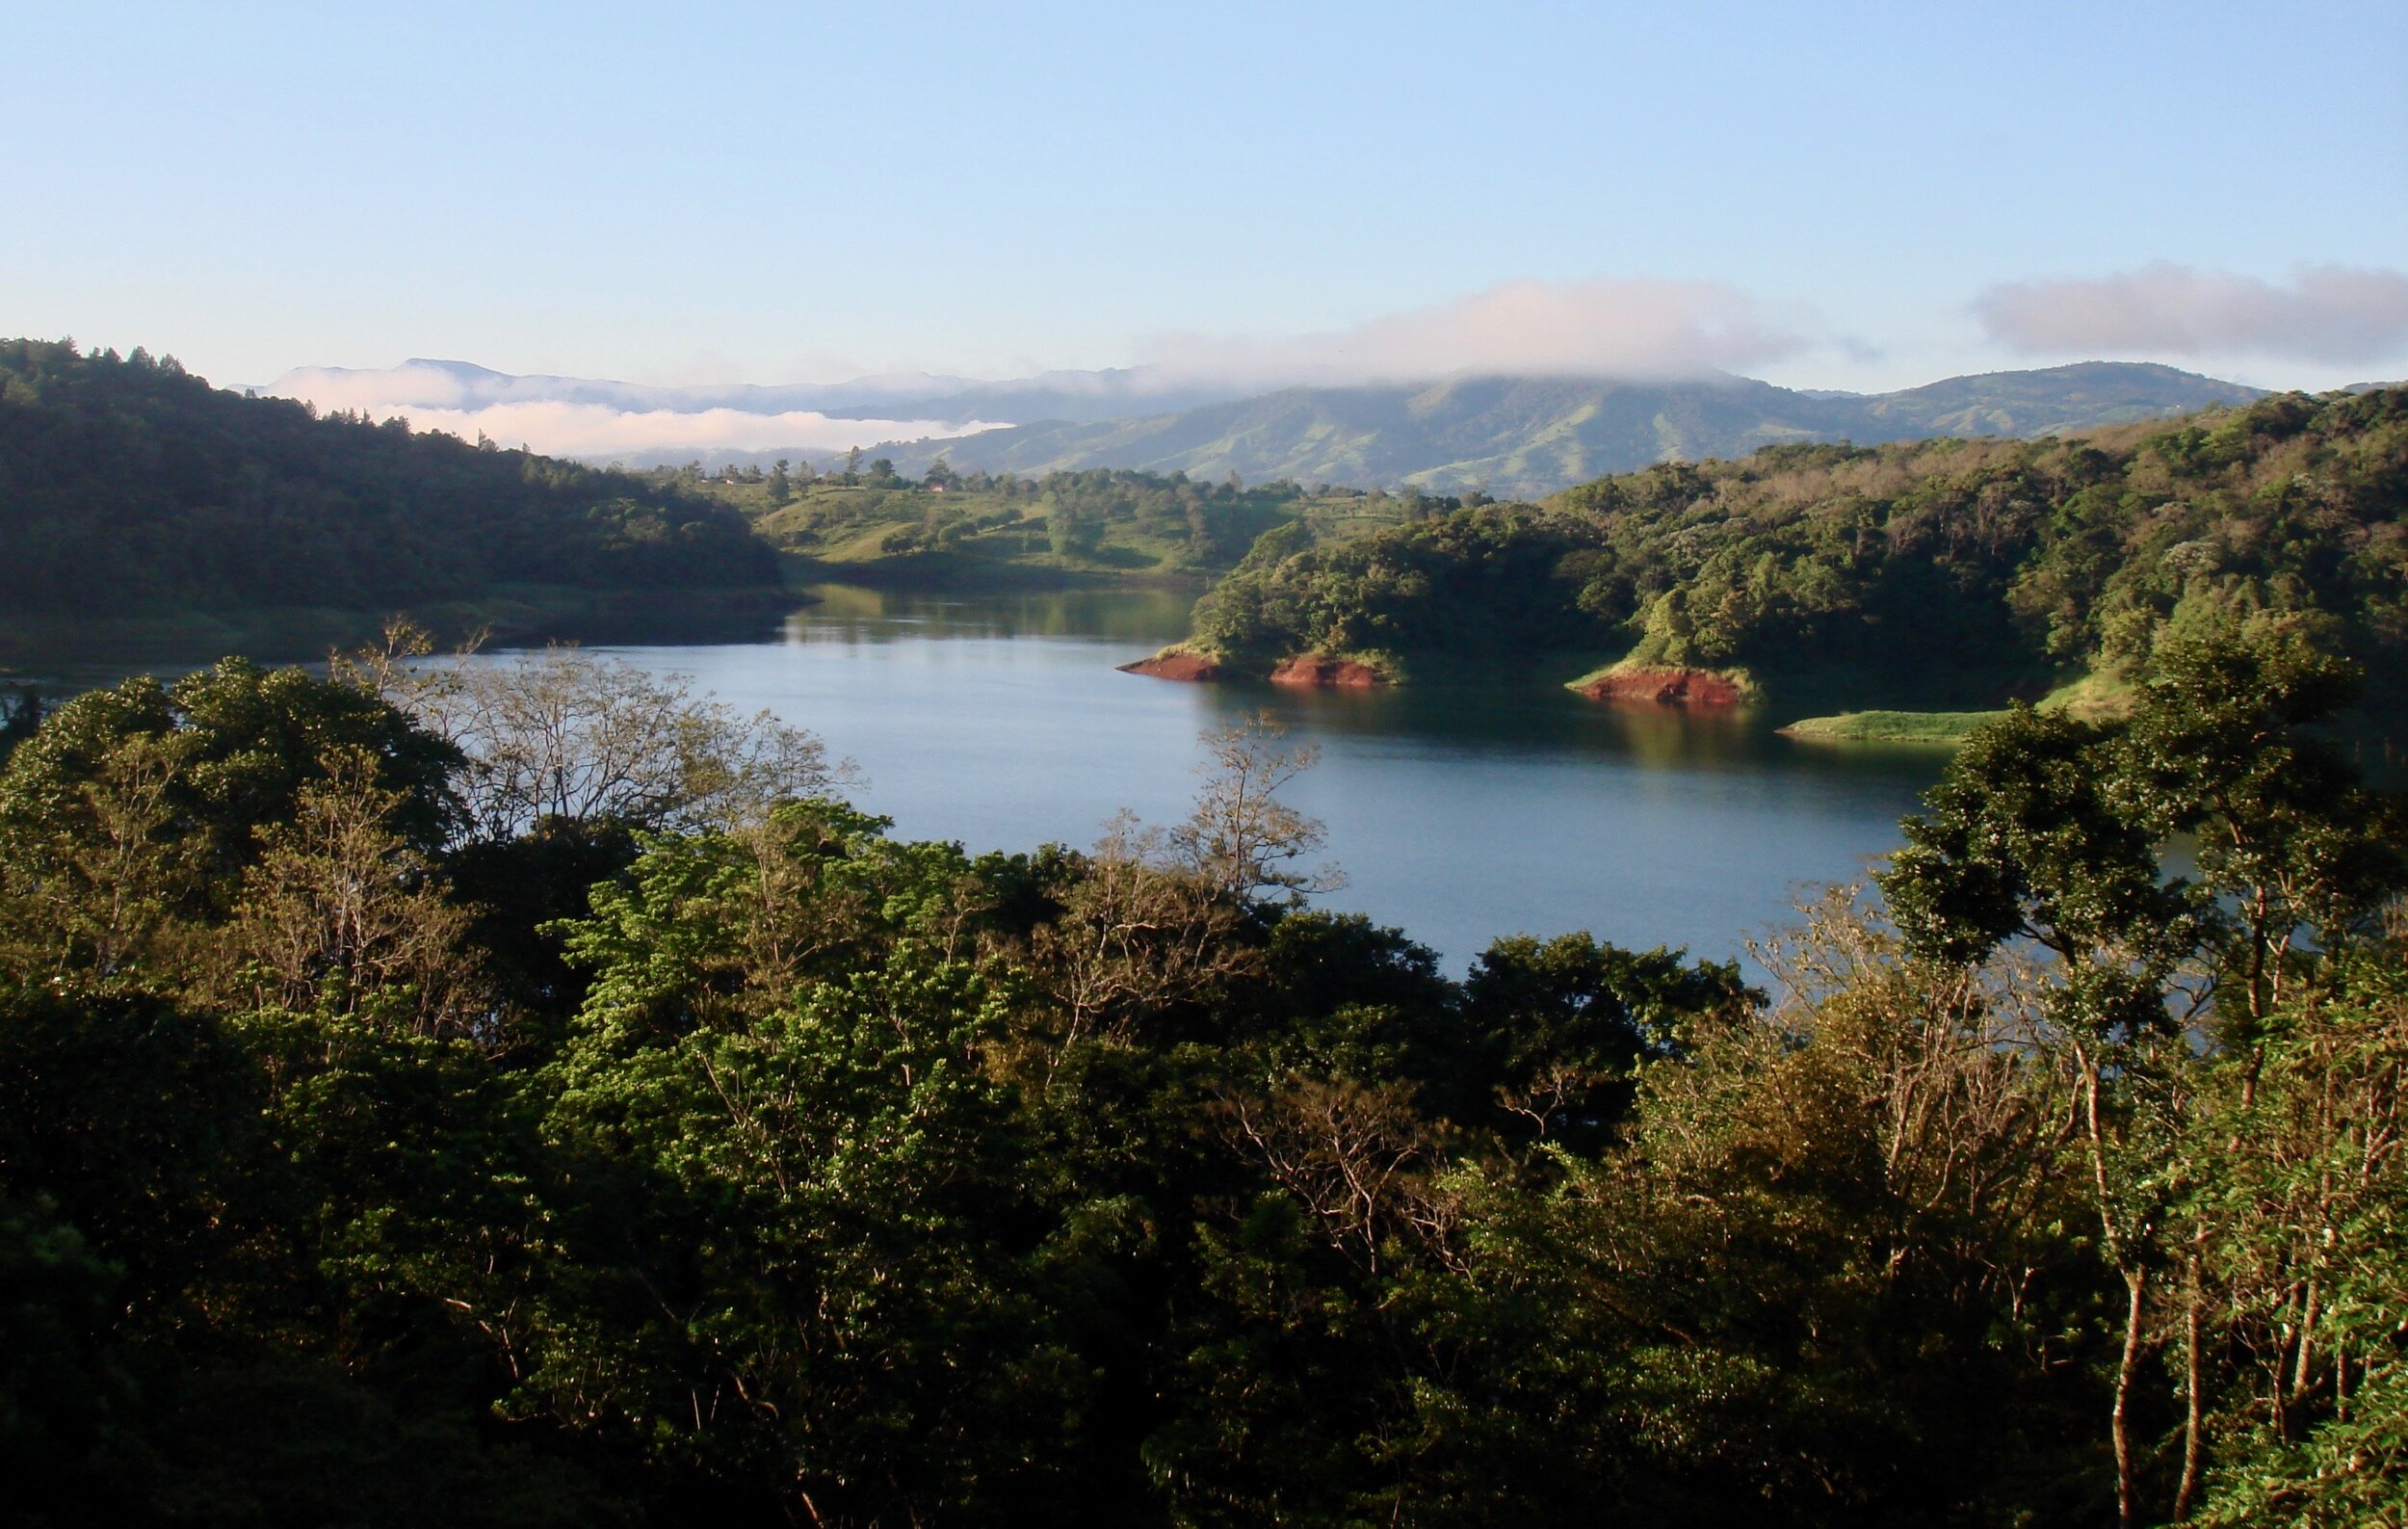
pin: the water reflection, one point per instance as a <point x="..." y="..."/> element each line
<point x="849" y="614"/>
<point x="1459" y="811"/>
<point x="1516" y="715"/>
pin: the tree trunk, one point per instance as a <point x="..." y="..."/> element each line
<point x="2127" y="1371"/>
<point x="2303" y="1370"/>
<point x="2193" y="1386"/>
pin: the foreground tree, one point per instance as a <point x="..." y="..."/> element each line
<point x="2053" y="831"/>
<point x="557" y="734"/>
<point x="2298" y="1165"/>
<point x="132" y="817"/>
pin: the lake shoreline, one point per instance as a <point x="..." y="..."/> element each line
<point x="40" y="647"/>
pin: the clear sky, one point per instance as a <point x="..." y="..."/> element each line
<point x="1849" y="196"/>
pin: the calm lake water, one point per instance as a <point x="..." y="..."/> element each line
<point x="1460" y="813"/>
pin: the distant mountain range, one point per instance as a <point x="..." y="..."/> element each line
<point x="1524" y="436"/>
<point x="1513" y="436"/>
<point x="1114" y="393"/>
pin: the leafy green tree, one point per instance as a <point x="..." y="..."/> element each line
<point x="2028" y="837"/>
<point x="2051" y="829"/>
<point x="131" y="816"/>
<point x="822" y="1296"/>
<point x="2299" y="1194"/>
<point x="1556" y="1031"/>
<point x="2290" y="844"/>
<point x="699" y="1151"/>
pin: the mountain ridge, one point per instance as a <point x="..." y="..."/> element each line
<point x="1529" y="437"/>
<point x="1507" y="436"/>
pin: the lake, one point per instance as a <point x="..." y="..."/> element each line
<point x="1457" y="812"/>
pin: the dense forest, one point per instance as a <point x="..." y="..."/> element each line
<point x="1950" y="562"/>
<point x="528" y="1093"/>
<point x="128" y="485"/>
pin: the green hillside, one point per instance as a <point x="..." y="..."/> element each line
<point x="978" y="529"/>
<point x="2052" y="401"/>
<point x="131" y="488"/>
<point x="1943" y="575"/>
<point x="1527" y="436"/>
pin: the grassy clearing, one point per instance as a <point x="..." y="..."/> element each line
<point x="909" y="535"/>
<point x="2093" y="697"/>
<point x="1935" y="727"/>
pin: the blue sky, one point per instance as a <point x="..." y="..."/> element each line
<point x="1852" y="195"/>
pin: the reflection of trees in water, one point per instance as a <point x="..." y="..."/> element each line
<point x="1511" y="712"/>
<point x="851" y="613"/>
<point x="1515" y="715"/>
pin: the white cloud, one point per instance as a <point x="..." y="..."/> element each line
<point x="1602" y="327"/>
<point x="2333" y="314"/>
<point x="389" y="390"/>
<point x="595" y="430"/>
<point x="435" y="397"/>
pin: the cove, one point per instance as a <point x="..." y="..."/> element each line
<point x="1459" y="812"/>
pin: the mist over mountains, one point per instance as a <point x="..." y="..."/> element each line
<point x="1526" y="436"/>
<point x="1512" y="436"/>
<point x="1112" y="393"/>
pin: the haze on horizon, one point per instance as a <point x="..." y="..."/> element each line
<point x="1241" y="197"/>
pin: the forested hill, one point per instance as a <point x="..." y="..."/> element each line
<point x="128" y="485"/>
<point x="1531" y="435"/>
<point x="1933" y="564"/>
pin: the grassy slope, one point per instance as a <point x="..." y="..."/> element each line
<point x="1948" y="728"/>
<point x="2091" y="697"/>
<point x="833" y="531"/>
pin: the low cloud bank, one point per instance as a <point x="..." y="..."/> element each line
<point x="1604" y="328"/>
<point x="1608" y="327"/>
<point x="593" y="429"/>
<point x="411" y="387"/>
<point x="2334" y="314"/>
<point x="562" y="428"/>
